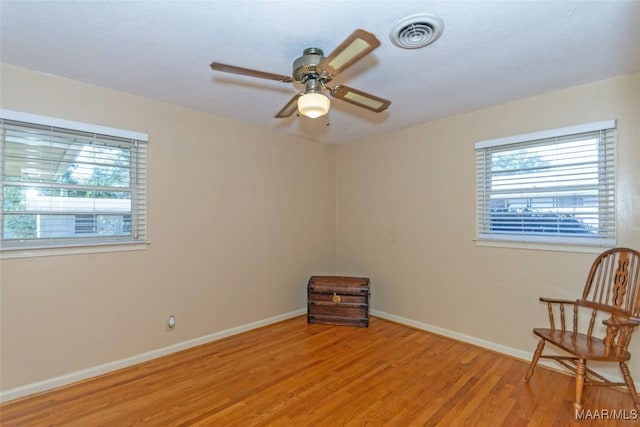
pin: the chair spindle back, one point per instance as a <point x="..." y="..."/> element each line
<point x="614" y="281"/>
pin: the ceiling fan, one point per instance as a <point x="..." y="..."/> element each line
<point x="314" y="71"/>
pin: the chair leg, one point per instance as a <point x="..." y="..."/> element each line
<point x="580" y="373"/>
<point x="534" y="361"/>
<point x="629" y="381"/>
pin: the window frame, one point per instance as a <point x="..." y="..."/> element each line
<point x="136" y="141"/>
<point x="606" y="206"/>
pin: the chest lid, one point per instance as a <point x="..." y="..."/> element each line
<point x="341" y="284"/>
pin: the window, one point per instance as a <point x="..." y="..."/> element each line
<point x="85" y="224"/>
<point x="69" y="184"/>
<point x="553" y="187"/>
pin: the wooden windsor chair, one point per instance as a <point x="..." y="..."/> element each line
<point x="612" y="291"/>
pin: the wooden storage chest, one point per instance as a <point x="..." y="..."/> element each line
<point x="338" y="300"/>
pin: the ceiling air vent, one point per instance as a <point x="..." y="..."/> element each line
<point x="417" y="31"/>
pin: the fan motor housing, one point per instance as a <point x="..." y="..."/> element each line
<point x="306" y="65"/>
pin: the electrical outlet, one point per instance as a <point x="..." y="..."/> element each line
<point x="171" y="322"/>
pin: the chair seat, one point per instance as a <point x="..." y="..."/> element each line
<point x="580" y="346"/>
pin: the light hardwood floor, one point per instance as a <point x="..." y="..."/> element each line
<point x="295" y="374"/>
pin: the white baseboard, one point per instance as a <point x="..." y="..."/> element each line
<point x="519" y="354"/>
<point x="94" y="371"/>
<point x="510" y="351"/>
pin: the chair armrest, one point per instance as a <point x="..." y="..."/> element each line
<point x="632" y="322"/>
<point x="557" y="301"/>
<point x="621" y="314"/>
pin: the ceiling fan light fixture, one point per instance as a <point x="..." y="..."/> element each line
<point x="314" y="70"/>
<point x="313" y="105"/>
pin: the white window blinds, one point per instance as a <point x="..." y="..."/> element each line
<point x="70" y="186"/>
<point x="553" y="187"/>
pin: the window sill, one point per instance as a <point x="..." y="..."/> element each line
<point x="537" y="246"/>
<point x="70" y="250"/>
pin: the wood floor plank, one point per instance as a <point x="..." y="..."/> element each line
<point x="298" y="374"/>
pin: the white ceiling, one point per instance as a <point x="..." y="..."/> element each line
<point x="491" y="52"/>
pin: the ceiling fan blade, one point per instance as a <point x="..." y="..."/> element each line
<point x="354" y="47"/>
<point x="290" y="108"/>
<point x="249" y="72"/>
<point x="360" y="98"/>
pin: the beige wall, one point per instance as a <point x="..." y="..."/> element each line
<point x="239" y="217"/>
<point x="406" y="212"/>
